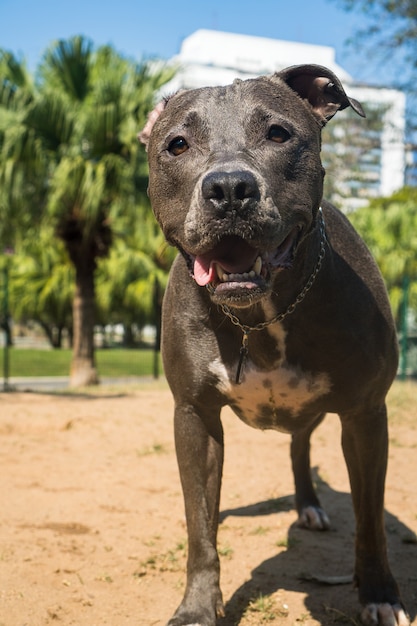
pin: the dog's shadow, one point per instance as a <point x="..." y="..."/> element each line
<point x="313" y="555"/>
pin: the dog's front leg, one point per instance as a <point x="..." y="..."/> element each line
<point x="310" y="513"/>
<point x="365" y="446"/>
<point x="199" y="446"/>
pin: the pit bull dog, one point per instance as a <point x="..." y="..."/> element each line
<point x="274" y="307"/>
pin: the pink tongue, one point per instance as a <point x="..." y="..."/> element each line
<point x="233" y="254"/>
<point x="203" y="274"/>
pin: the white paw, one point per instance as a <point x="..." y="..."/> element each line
<point x="384" y="615"/>
<point x="314" y="518"/>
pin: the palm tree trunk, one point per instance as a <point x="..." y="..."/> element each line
<point x="83" y="368"/>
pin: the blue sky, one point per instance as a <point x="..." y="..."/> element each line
<point x="143" y="28"/>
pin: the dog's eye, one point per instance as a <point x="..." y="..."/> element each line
<point x="177" y="146"/>
<point x="278" y="134"/>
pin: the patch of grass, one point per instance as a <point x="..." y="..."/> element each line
<point x="287" y="542"/>
<point x="156" y="448"/>
<point x="226" y="551"/>
<point x="260" y="530"/>
<point x="116" y="362"/>
<point x="105" y="578"/>
<point x="394" y="441"/>
<point x="170" y="561"/>
<point x="263" y="606"/>
<point x="265" y="609"/>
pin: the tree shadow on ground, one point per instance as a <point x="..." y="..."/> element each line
<point x="325" y="554"/>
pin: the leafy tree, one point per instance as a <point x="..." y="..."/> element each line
<point x="82" y="169"/>
<point x="389" y="227"/>
<point x="391" y="29"/>
<point x="390" y="35"/>
<point x="23" y="177"/>
<point x="42" y="286"/>
<point x="126" y="279"/>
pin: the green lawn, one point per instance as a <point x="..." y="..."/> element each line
<point x="110" y="362"/>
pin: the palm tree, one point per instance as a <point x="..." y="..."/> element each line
<point x="23" y="172"/>
<point x="83" y="115"/>
<point x="126" y="280"/>
<point x="42" y="286"/>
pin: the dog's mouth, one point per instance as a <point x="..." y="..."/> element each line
<point x="236" y="272"/>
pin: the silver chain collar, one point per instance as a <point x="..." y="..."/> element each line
<point x="246" y="329"/>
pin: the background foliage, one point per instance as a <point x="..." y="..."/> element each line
<point x="389" y="227"/>
<point x="73" y="181"/>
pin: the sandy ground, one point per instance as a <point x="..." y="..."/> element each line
<point x="92" y="528"/>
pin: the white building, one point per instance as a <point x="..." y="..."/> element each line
<point x="216" y="58"/>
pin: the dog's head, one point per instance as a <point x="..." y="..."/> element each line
<point x="236" y="178"/>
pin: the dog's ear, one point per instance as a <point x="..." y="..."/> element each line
<point x="321" y="88"/>
<point x="145" y="133"/>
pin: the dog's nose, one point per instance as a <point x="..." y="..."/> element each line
<point x="236" y="190"/>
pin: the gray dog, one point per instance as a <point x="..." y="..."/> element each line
<point x="274" y="307"/>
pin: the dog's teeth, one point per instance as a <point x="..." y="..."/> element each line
<point x="224" y="278"/>
<point x="258" y="266"/>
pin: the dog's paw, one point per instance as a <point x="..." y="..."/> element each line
<point x="384" y="615"/>
<point x="313" y="518"/>
<point x="184" y="617"/>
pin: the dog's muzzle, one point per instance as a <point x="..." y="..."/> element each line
<point x="238" y="263"/>
<point x="239" y="273"/>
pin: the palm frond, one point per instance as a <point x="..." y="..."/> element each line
<point x="66" y="67"/>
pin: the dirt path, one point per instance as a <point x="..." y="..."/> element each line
<point x="92" y="529"/>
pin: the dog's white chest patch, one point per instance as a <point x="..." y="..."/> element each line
<point x="274" y="398"/>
